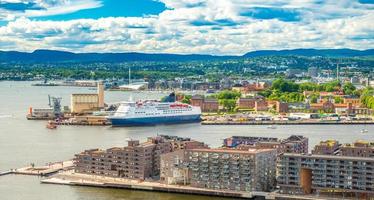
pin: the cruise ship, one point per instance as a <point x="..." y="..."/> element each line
<point x="153" y="113"/>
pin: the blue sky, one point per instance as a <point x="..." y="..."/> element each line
<point x="113" y="8"/>
<point x="185" y="26"/>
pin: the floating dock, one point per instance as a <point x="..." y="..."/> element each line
<point x="29" y="117"/>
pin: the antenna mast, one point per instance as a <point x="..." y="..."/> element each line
<point x="337" y="71"/>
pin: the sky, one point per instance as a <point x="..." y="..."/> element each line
<point x="217" y="27"/>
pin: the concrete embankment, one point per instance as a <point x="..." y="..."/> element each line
<point x="68" y="178"/>
<point x="74" y="179"/>
<point x="288" y="123"/>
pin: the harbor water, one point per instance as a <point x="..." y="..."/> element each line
<point x="23" y="142"/>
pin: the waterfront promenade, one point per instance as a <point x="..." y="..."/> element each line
<point x="76" y="179"/>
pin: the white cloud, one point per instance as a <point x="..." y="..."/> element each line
<point x="38" y="8"/>
<point x="203" y="26"/>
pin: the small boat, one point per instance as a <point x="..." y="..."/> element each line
<point x="271" y="127"/>
<point x="364" y="130"/>
<point x="51" y="125"/>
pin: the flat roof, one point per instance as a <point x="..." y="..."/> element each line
<point x="92" y="94"/>
<point x="249" y="151"/>
<point x="328" y="157"/>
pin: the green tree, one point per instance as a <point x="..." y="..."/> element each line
<point x="227" y="99"/>
<point x="367" y="98"/>
<point x="284" y="86"/>
<point x="228" y="94"/>
<point x="308" y="86"/>
<point x="349" y="89"/>
<point x="338" y="99"/>
<point x="187" y="99"/>
<point x="314" y="97"/>
<point x="228" y="104"/>
<point x="330" y="86"/>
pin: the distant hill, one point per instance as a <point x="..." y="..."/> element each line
<point x="45" y="56"/>
<point x="51" y="56"/>
<point x="312" y="52"/>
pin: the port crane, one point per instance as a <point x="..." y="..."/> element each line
<point x="55" y="103"/>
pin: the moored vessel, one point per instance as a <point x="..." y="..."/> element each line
<point x="145" y="113"/>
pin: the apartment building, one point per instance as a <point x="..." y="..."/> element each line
<point x="228" y="169"/>
<point x="174" y="168"/>
<point x="135" y="161"/>
<point x="328" y="147"/>
<point x="178" y="143"/>
<point x="292" y="144"/>
<point x="234" y="141"/>
<point x="359" y="148"/>
<point x="221" y="169"/>
<point x="326" y="175"/>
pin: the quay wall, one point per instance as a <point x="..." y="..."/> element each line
<point x="288" y="123"/>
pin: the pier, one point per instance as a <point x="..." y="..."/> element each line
<point x="46" y="170"/>
<point x="6" y="173"/>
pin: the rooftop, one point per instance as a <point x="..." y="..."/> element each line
<point x="329" y="143"/>
<point x="328" y="157"/>
<point x="81" y="94"/>
<point x="360" y="143"/>
<point x="238" y="151"/>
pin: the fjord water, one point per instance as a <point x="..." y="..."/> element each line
<point x="23" y="142"/>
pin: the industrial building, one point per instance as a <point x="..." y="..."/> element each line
<point x="81" y="103"/>
<point x="137" y="161"/>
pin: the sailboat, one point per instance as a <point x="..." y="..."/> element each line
<point x="365" y="130"/>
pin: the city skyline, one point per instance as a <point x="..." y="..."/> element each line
<point x="226" y="27"/>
